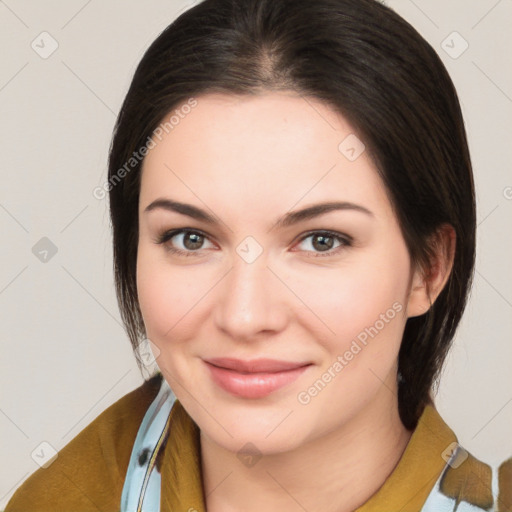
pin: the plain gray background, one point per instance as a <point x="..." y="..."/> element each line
<point x="65" y="356"/>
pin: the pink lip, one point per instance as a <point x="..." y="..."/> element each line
<point x="253" y="379"/>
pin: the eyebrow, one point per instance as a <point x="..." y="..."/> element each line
<point x="286" y="220"/>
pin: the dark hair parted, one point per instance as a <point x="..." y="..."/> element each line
<point x="367" y="63"/>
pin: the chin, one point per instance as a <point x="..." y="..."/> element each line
<point x="253" y="441"/>
<point x="276" y="431"/>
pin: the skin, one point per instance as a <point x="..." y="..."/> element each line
<point x="248" y="161"/>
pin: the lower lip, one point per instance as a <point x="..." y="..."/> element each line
<point x="253" y="385"/>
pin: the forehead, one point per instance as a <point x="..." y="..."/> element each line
<point x="284" y="124"/>
<point x="276" y="148"/>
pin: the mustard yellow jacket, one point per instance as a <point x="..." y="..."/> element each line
<point x="88" y="473"/>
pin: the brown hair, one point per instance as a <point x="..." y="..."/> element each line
<point x="367" y="63"/>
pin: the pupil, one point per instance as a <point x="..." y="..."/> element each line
<point x="322" y="245"/>
<point x="192" y="241"/>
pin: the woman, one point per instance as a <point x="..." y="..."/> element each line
<point x="293" y="217"/>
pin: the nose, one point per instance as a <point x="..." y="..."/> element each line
<point x="251" y="300"/>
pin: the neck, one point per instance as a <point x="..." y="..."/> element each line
<point x="335" y="473"/>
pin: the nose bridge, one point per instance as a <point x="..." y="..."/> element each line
<point x="249" y="300"/>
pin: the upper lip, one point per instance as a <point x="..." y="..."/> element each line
<point x="254" y="365"/>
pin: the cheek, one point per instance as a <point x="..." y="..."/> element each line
<point x="174" y="300"/>
<point x="357" y="301"/>
<point x="163" y="295"/>
<point x="356" y="296"/>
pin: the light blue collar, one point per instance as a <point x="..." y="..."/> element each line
<point x="141" y="490"/>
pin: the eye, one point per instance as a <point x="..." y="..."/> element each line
<point x="324" y="241"/>
<point x="191" y="240"/>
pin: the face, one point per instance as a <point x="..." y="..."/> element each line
<point x="325" y="295"/>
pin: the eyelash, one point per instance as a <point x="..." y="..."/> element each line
<point x="345" y="240"/>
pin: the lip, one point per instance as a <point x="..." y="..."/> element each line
<point x="256" y="378"/>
